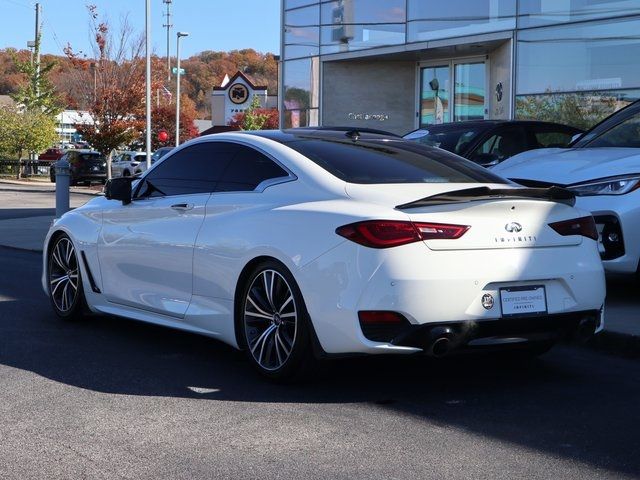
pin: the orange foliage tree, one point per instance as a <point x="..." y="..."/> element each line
<point x="112" y="84"/>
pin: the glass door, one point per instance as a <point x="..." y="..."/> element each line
<point x="434" y="94"/>
<point x="469" y="92"/>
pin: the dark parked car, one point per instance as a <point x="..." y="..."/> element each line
<point x="489" y="142"/>
<point x="86" y="166"/>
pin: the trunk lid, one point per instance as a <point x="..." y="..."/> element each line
<point x="495" y="223"/>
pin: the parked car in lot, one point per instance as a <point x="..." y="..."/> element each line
<point x="489" y="142"/>
<point x="51" y="154"/>
<point x="86" y="166"/>
<point x="330" y="243"/>
<point x="128" y="163"/>
<point x="602" y="168"/>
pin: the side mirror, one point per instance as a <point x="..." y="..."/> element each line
<point x="486" y="159"/>
<point x="119" y="189"/>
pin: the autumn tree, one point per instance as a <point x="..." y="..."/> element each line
<point x="113" y="82"/>
<point x="164" y="118"/>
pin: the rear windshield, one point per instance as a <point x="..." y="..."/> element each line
<point x="391" y="161"/>
<point x="91" y="157"/>
<point x="453" y="140"/>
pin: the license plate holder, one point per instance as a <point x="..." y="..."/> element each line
<point x="523" y="301"/>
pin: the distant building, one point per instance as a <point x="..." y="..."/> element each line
<point x="66" y="125"/>
<point x="234" y="95"/>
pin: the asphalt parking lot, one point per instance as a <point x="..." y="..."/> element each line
<point x="109" y="398"/>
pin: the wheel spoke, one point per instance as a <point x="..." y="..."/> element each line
<point x="262" y="337"/>
<point x="258" y="315"/>
<point x="260" y="310"/>
<point x="286" y="302"/>
<point x="57" y="258"/>
<point x="279" y="341"/>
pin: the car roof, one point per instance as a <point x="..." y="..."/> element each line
<point x="294" y="134"/>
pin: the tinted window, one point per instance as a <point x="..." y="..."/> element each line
<point x="624" y="134"/>
<point x="453" y="140"/>
<point x="247" y="170"/>
<point x="502" y="145"/>
<point x="195" y="169"/>
<point x="552" y="138"/>
<point x="377" y="161"/>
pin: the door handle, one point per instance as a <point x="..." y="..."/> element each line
<point x="182" y="207"/>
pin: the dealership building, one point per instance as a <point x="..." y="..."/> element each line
<point x="398" y="65"/>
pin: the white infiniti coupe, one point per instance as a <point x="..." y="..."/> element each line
<point x="290" y="244"/>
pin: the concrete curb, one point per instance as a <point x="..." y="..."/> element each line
<point x="48" y="188"/>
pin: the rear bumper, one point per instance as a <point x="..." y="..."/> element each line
<point x="436" y="288"/>
<point x="468" y="335"/>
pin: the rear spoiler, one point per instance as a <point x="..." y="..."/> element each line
<point x="552" y="194"/>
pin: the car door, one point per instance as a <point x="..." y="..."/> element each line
<point x="240" y="189"/>
<point x="146" y="247"/>
<point x="501" y="143"/>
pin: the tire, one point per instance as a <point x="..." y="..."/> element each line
<point x="66" y="295"/>
<point x="274" y="323"/>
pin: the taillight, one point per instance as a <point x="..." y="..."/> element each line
<point x="585" y="226"/>
<point x="391" y="233"/>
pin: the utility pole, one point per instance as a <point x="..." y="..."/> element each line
<point x="37" y="49"/>
<point x="147" y="44"/>
<point x="168" y="26"/>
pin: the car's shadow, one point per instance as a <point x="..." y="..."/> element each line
<point x="571" y="403"/>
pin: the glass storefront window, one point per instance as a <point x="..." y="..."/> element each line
<point x="301" y="118"/>
<point x="585" y="57"/>
<point x="301" y="84"/>
<point x="534" y="13"/>
<point x="301" y="32"/>
<point x="357" y="24"/>
<point x="579" y="109"/>
<point x="433" y="19"/>
<point x="469" y="91"/>
<point x="434" y="95"/>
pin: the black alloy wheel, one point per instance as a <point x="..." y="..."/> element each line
<point x="275" y="323"/>
<point x="64" y="279"/>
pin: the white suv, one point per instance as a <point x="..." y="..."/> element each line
<point x="128" y="164"/>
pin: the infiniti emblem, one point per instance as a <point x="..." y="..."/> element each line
<point x="513" y="227"/>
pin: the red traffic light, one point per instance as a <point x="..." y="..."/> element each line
<point x="163" y="136"/>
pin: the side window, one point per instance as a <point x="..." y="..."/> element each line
<point x="551" y="138"/>
<point x="502" y="145"/>
<point x="195" y="169"/>
<point x="247" y="170"/>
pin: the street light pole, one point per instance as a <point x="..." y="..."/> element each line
<point x="179" y="35"/>
<point x="147" y="44"/>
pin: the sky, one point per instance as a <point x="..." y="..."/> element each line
<point x="212" y="24"/>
